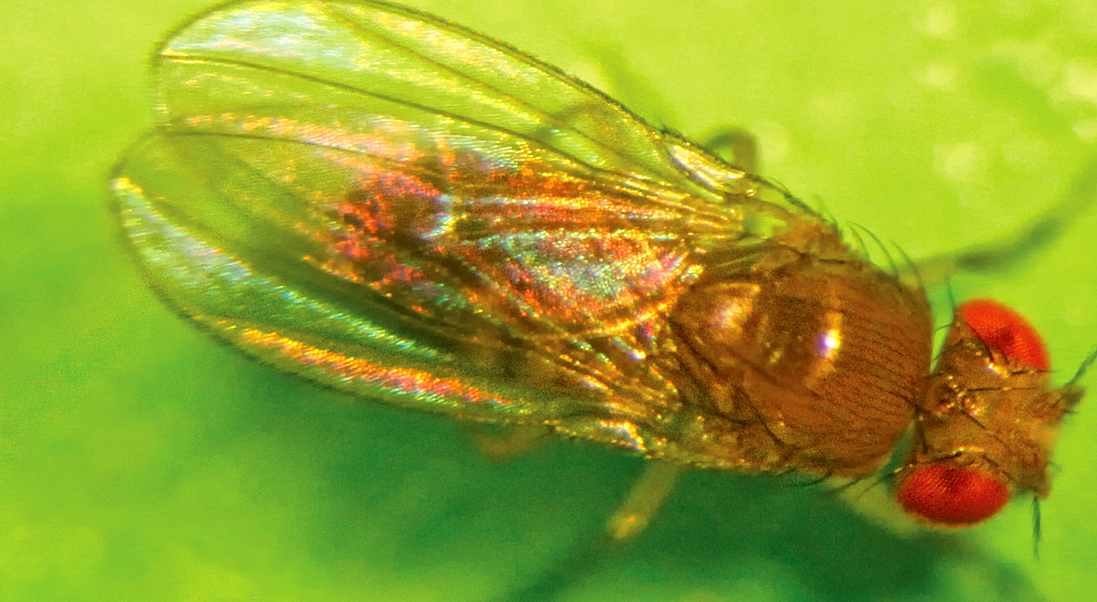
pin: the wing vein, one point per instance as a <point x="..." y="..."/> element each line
<point x="547" y="118"/>
<point x="631" y="180"/>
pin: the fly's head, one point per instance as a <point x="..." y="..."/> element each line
<point x="985" y="429"/>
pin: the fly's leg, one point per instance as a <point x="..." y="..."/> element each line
<point x="644" y="499"/>
<point x="1013" y="248"/>
<point x="736" y="146"/>
<point x="501" y="443"/>
<point x="587" y="556"/>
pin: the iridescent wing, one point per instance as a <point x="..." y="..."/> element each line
<point x="398" y="207"/>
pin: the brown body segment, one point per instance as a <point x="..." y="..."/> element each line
<point x="810" y="365"/>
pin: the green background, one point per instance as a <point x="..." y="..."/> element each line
<point x="141" y="461"/>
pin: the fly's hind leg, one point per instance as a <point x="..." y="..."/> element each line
<point x="591" y="553"/>
<point x="1015" y="247"/>
<point x="644" y="499"/>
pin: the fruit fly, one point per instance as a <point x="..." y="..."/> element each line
<point x="397" y="207"/>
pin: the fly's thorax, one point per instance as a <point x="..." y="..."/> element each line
<point x="820" y="360"/>
<point x="988" y="420"/>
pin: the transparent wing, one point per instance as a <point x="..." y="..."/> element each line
<point x="317" y="71"/>
<point x="398" y="207"/>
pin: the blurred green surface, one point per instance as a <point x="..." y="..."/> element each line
<point x="141" y="461"/>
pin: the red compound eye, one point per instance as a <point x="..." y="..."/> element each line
<point x="951" y="496"/>
<point x="1006" y="331"/>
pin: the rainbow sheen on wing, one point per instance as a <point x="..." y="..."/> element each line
<point x="402" y="209"/>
